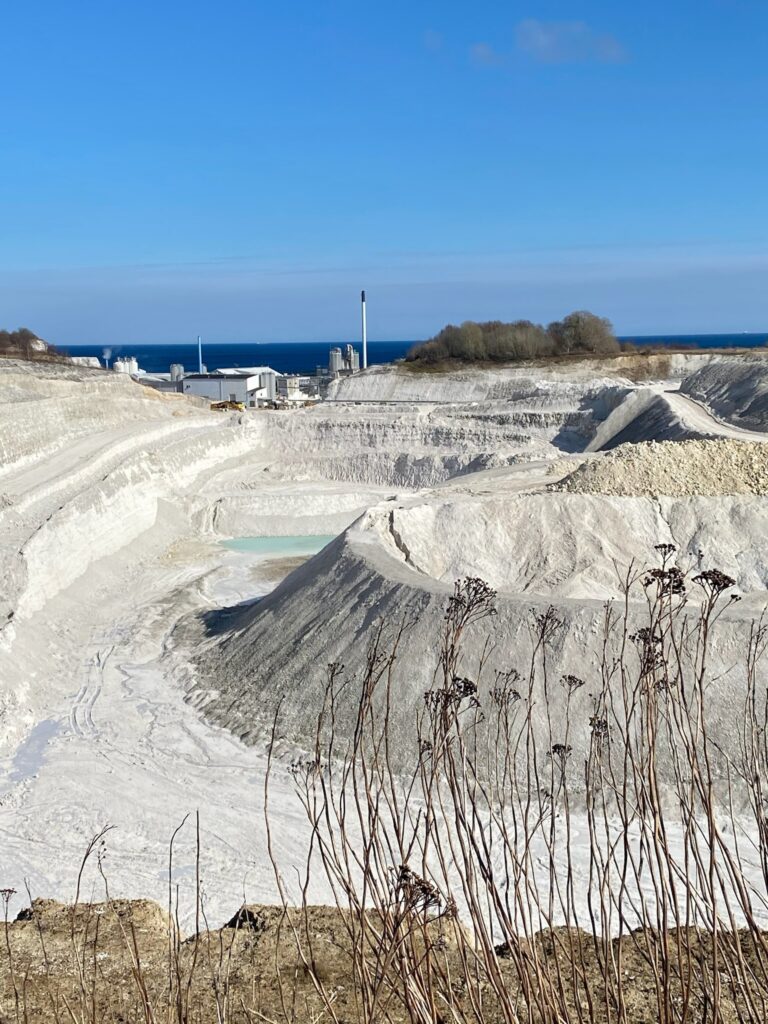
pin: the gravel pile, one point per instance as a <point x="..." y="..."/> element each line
<point x="674" y="468"/>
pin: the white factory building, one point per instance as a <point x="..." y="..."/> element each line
<point x="297" y="388"/>
<point x="343" y="361"/>
<point x="251" y="385"/>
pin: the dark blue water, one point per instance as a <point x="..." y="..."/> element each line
<point x="301" y="357"/>
<point x="304" y="357"/>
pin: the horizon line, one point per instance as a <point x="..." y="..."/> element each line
<point x="392" y="341"/>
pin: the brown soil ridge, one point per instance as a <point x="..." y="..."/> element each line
<point x="123" y="961"/>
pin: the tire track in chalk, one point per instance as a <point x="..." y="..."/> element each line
<point x="81" y="720"/>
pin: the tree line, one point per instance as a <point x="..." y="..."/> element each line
<point x="495" y="341"/>
<point x="25" y="343"/>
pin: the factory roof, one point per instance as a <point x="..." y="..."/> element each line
<point x="243" y="371"/>
<point x="222" y="375"/>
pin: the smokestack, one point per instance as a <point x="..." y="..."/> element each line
<point x="365" y="333"/>
<point x="199" y="354"/>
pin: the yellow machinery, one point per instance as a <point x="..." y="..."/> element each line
<point x="228" y="406"/>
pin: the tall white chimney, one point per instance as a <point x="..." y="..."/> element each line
<point x="365" y="333"/>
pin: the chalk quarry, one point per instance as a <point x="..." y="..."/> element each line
<point x="141" y="660"/>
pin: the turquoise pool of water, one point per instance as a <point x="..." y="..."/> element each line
<point x="279" y="546"/>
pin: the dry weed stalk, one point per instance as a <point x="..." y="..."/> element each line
<point x="460" y="895"/>
<point x="172" y="993"/>
<point x="456" y="881"/>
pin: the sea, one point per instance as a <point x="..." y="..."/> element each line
<point x="305" y="357"/>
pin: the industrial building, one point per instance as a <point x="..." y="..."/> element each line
<point x="160" y="382"/>
<point x="126" y="364"/>
<point x="253" y="386"/>
<point x="297" y="388"/>
<point x="343" y="362"/>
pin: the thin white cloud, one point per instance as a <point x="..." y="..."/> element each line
<point x="568" y="42"/>
<point x="486" y="56"/>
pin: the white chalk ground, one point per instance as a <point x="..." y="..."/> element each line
<point x="118" y="746"/>
<point x="106" y="737"/>
<point x="115" y="744"/>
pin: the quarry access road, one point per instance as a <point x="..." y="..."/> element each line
<point x="700" y="418"/>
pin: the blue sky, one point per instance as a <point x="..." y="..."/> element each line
<point x="242" y="168"/>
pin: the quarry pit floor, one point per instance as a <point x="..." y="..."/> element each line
<point x="117" y="745"/>
<point x="108" y="738"/>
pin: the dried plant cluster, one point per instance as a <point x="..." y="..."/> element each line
<point x="462" y="896"/>
<point x="458" y="889"/>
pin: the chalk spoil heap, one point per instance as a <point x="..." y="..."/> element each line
<point x="736" y="391"/>
<point x="674" y="469"/>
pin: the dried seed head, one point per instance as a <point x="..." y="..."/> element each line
<point x="599" y="727"/>
<point x="714" y="582"/>
<point x="306" y="769"/>
<point x="6" y="895"/>
<point x="560" y="750"/>
<point x="415" y="892"/>
<point x="669" y="582"/>
<point x="572" y="683"/>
